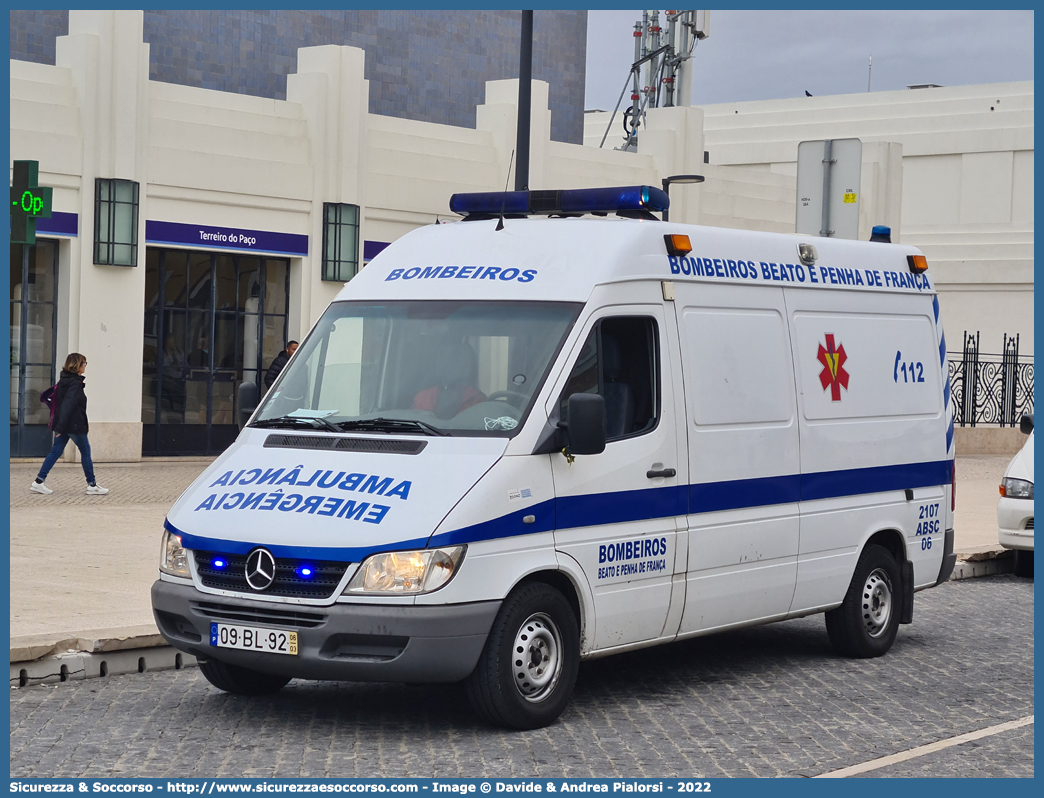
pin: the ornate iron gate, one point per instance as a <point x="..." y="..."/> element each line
<point x="989" y="389"/>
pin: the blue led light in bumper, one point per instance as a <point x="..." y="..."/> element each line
<point x="581" y="200"/>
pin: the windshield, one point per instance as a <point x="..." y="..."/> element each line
<point x="420" y="367"/>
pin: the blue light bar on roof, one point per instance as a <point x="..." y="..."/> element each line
<point x="491" y="203"/>
<point x="579" y="200"/>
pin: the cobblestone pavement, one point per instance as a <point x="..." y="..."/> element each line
<point x="769" y="701"/>
<point x="1002" y="756"/>
<point x="148" y="482"/>
<point x="86" y="562"/>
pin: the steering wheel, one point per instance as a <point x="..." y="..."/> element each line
<point x="513" y="398"/>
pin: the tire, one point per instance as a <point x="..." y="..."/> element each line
<point x="1023" y="563"/>
<point x="866" y="623"/>
<point x="241" y="681"/>
<point x="526" y="673"/>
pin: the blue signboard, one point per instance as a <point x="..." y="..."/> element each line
<point x="60" y="224"/>
<point x="372" y="248"/>
<point x="229" y="238"/>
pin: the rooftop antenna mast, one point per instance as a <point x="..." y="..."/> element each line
<point x="664" y="54"/>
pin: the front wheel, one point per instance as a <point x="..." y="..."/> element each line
<point x="527" y="670"/>
<point x="866" y="623"/>
<point x="241" y="681"/>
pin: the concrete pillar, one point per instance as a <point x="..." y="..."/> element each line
<point x="109" y="65"/>
<point x="673" y="137"/>
<point x="499" y="115"/>
<point x="881" y="187"/>
<point x="329" y="84"/>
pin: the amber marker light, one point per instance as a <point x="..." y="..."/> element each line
<point x="677" y="245"/>
<point x="918" y="263"/>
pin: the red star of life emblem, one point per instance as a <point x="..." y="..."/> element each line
<point x="833" y="375"/>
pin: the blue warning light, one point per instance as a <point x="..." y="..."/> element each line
<point x="218" y="563"/>
<point x="305" y="571"/>
<point x="560" y="201"/>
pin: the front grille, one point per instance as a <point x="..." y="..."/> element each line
<point x="235" y="614"/>
<point x="330" y="443"/>
<point x="1029" y="524"/>
<point x="288" y="582"/>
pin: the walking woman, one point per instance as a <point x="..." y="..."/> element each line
<point x="70" y="423"/>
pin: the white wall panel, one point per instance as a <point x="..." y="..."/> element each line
<point x="986" y="187"/>
<point x="932" y="190"/>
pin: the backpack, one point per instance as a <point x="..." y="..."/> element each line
<point x="47" y="397"/>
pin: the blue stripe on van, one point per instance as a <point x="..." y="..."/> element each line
<point x="942" y="350"/>
<point x="353" y="554"/>
<point x="856" y="481"/>
<point x="949" y="435"/>
<point x="506" y="526"/>
<point x="620" y="506"/>
<point x="935" y="307"/>
<point x="634" y="505"/>
<point x="707" y="497"/>
<point x="740" y="493"/>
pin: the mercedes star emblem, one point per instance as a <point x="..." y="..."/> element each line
<point x="260" y="569"/>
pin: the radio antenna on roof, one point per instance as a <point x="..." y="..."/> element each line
<point x="507" y="180"/>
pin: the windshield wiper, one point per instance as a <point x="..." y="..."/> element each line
<point x="391" y="425"/>
<point x="313" y="422"/>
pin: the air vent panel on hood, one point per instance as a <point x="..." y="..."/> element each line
<point x="331" y="443"/>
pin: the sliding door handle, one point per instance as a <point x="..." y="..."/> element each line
<point x="666" y="472"/>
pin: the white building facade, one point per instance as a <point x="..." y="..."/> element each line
<point x="248" y="213"/>
<point x="964" y="181"/>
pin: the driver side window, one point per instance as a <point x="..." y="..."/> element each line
<point x="620" y="362"/>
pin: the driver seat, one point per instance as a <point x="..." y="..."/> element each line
<point x="456" y="369"/>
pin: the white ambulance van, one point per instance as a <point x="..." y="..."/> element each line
<point x="513" y="443"/>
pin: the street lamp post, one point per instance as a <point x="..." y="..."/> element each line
<point x="682" y="179"/>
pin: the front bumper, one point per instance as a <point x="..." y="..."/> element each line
<point x="1013" y="517"/>
<point x="343" y="642"/>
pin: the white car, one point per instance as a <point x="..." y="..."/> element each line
<point x="1015" y="508"/>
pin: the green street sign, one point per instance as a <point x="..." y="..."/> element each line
<point x="29" y="202"/>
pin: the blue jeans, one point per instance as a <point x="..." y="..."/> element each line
<point x="60" y="442"/>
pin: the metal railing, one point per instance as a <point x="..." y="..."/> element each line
<point x="990" y="389"/>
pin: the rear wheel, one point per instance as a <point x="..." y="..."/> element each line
<point x="866" y="623"/>
<point x="241" y="681"/>
<point x="527" y="670"/>
<point x="1023" y="563"/>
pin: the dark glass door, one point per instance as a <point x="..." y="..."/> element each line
<point x="34" y="294"/>
<point x="212" y="321"/>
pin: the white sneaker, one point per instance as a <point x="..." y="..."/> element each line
<point x="39" y="487"/>
<point x="96" y="490"/>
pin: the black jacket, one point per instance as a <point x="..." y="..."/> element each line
<point x="275" y="368"/>
<point x="70" y="403"/>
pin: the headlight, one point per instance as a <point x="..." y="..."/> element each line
<point x="1016" y="488"/>
<point x="173" y="558"/>
<point x="406" y="572"/>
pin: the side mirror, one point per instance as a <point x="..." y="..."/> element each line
<point x="1026" y="425"/>
<point x="247" y="402"/>
<point x="585" y="433"/>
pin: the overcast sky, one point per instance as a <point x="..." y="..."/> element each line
<point x="767" y="55"/>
